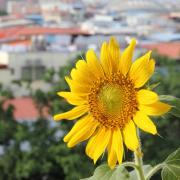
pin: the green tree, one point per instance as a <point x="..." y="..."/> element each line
<point x="3" y="13"/>
<point x="157" y="148"/>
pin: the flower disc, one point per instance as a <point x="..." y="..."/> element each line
<point x="112" y="101"/>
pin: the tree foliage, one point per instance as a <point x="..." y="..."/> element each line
<point x="3" y="13"/>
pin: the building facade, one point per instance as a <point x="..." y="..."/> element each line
<point x="30" y="65"/>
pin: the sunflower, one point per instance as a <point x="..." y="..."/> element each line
<point x="111" y="100"/>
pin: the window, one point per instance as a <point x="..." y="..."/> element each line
<point x="12" y="71"/>
<point x="26" y="73"/>
<point x="39" y="72"/>
<point x="33" y="70"/>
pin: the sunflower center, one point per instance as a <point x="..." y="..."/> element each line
<point x="112" y="101"/>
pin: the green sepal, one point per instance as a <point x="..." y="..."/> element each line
<point x="152" y="86"/>
<point x="174" y="102"/>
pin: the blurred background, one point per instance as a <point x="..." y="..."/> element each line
<point x="39" y="43"/>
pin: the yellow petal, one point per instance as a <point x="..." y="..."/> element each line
<point x="156" y="109"/>
<point x="114" y="54"/>
<point x="130" y="136"/>
<point x="104" y="57"/>
<point x="93" y="63"/>
<point x="84" y="70"/>
<point x="112" y="157"/>
<point x="151" y="66"/>
<point x="78" y="76"/>
<point x="77" y="127"/>
<point x="142" y="69"/>
<point x="117" y="143"/>
<point x="76" y="87"/>
<point x="146" y="96"/>
<point x="83" y="133"/>
<point x="73" y="98"/>
<point x="91" y="143"/>
<point x="98" y="143"/>
<point x="72" y="114"/>
<point x="139" y="64"/>
<point x="144" y="122"/>
<point x="101" y="143"/>
<point x="126" y="58"/>
<point x="81" y="65"/>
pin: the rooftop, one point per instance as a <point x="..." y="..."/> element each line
<point x="170" y="49"/>
<point x="25" y="108"/>
<point x="16" y="32"/>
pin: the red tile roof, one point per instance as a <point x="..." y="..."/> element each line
<point x="16" y="32"/>
<point x="25" y="108"/>
<point x="9" y="32"/>
<point x="45" y="30"/>
<point x="170" y="49"/>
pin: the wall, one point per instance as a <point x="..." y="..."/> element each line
<point x="5" y="76"/>
<point x="47" y="59"/>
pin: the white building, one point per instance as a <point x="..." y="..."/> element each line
<point x="30" y="65"/>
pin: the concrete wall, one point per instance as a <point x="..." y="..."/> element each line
<point x="5" y="76"/>
<point x="48" y="59"/>
<point x="15" y="63"/>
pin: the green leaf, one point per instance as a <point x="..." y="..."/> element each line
<point x="103" y="172"/>
<point x="120" y="173"/>
<point x="171" y="169"/>
<point x="175" y="102"/>
<point x="146" y="169"/>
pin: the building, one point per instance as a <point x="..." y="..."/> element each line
<point x="3" y="5"/>
<point x="23" y="7"/>
<point x="18" y="35"/>
<point x="5" y="74"/>
<point x="14" y="21"/>
<point x="170" y="49"/>
<point x="29" y="66"/>
<point x="146" y="5"/>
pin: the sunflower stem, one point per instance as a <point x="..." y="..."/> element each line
<point x="130" y="164"/>
<point x="138" y="160"/>
<point x="154" y="170"/>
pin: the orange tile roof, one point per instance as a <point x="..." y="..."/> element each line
<point x="170" y="49"/>
<point x="25" y="108"/>
<point x="26" y="42"/>
<point x="9" y="32"/>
